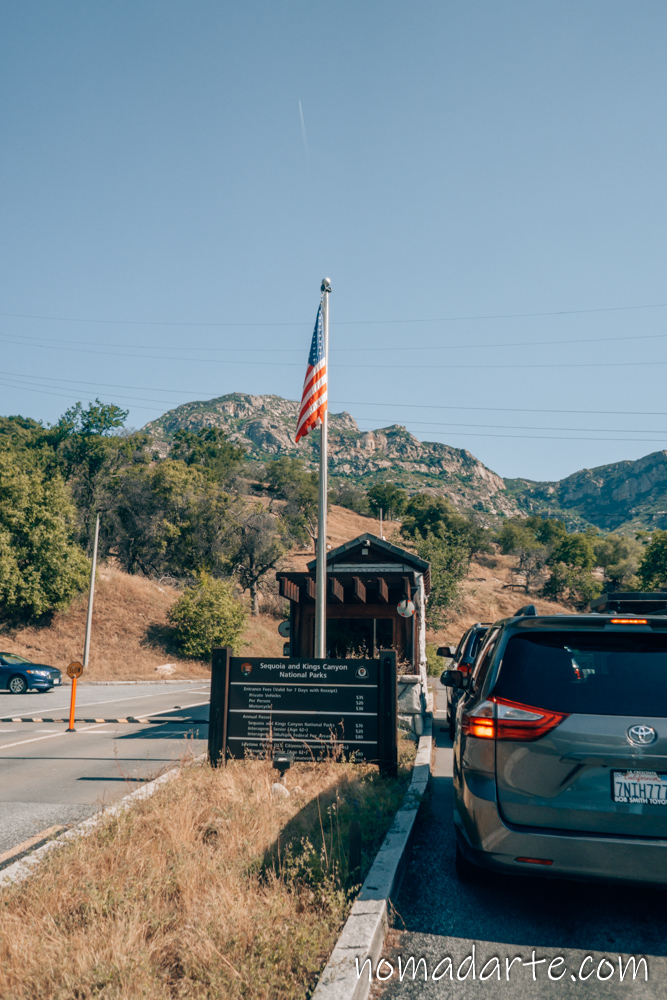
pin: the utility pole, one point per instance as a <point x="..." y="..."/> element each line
<point x="76" y="669"/>
<point x="91" y="594"/>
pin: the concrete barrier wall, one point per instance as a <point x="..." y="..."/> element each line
<point x="411" y="703"/>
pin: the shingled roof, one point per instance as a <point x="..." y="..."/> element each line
<point x="393" y="553"/>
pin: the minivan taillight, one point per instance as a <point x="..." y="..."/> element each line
<point x="501" y="719"/>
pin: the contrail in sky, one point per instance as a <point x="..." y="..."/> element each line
<point x="303" y="133"/>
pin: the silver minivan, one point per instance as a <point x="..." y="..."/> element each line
<point x="560" y="752"/>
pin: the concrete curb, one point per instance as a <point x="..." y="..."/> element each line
<point x="364" y="932"/>
<point x="22" y="869"/>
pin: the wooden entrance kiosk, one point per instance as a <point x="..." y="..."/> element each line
<point x="366" y="580"/>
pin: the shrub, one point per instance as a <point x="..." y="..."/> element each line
<point x="434" y="663"/>
<point x="208" y="615"/>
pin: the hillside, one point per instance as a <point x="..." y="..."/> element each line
<point x="622" y="496"/>
<point x="265" y="425"/>
<point x="486" y="597"/>
<point x="130" y="638"/>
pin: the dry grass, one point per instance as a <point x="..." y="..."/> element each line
<point x="485" y="599"/>
<point x="207" y="890"/>
<point x="342" y="526"/>
<point x="130" y="635"/>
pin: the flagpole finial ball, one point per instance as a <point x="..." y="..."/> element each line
<point x="326" y="285"/>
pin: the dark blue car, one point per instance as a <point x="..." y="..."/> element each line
<point x="18" y="674"/>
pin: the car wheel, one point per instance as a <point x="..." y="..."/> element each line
<point x="452" y="725"/>
<point x="466" y="870"/>
<point x="17" y="685"/>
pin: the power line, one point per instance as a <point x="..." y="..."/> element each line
<point x="208" y="394"/>
<point x="53" y="342"/>
<point x="522" y="427"/>
<point x="360" y="322"/>
<point x="528" y="437"/>
<point x="477" y="366"/>
<point x="525" y="437"/>
<point x="64" y="395"/>
<point x="544" y="437"/>
<point x="502" y="409"/>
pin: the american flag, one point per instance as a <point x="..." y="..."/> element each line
<point x="314" y="397"/>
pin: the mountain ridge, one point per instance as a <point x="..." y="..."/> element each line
<point x="626" y="495"/>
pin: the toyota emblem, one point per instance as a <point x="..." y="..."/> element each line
<point x="641" y="736"/>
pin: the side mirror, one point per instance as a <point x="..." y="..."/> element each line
<point x="449" y="651"/>
<point x="453" y="679"/>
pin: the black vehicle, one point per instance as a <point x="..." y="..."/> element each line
<point x="464" y="659"/>
<point x="18" y="675"/>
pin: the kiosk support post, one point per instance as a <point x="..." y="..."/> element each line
<point x="388" y="713"/>
<point x="217" y="719"/>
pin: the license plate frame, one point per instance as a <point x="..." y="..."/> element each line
<point x="637" y="782"/>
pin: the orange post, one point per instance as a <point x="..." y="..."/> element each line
<point x="73" y="671"/>
<point x="72" y="707"/>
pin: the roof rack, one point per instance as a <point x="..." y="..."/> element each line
<point x="629" y="602"/>
<point x="528" y="610"/>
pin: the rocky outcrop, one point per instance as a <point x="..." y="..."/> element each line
<point x="264" y="426"/>
<point x="622" y="496"/>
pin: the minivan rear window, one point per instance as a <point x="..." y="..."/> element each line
<point x="587" y="673"/>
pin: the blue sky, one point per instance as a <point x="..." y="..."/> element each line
<point x="161" y="213"/>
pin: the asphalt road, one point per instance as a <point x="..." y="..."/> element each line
<point x="438" y="916"/>
<point x="54" y="778"/>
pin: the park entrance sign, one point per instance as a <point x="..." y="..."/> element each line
<point x="261" y="704"/>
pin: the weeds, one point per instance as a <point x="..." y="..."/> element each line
<point x="209" y="889"/>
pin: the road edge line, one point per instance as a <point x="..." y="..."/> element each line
<point x="364" y="931"/>
<point x="202" y="680"/>
<point x="22" y="869"/>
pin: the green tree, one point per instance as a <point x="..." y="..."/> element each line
<point x="448" y="540"/>
<point x="261" y="540"/>
<point x="41" y="566"/>
<point x="89" y="448"/>
<point x="170" y="519"/>
<point x="209" y="449"/>
<point x="572" y="560"/>
<point x="548" y="530"/>
<point x="208" y="615"/>
<point x="653" y="567"/>
<point x="574" y="550"/>
<point x="299" y="489"/>
<point x="516" y="538"/>
<point x="619" y="557"/>
<point x="425" y="514"/>
<point x="21" y="438"/>
<point x="449" y="564"/>
<point x="388" y="498"/>
<point x="346" y="493"/>
<point x="572" y="583"/>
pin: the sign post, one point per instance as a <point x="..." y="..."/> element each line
<point x="74" y="671"/>
<point x="307" y="707"/>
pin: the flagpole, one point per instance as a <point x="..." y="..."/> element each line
<point x="321" y="570"/>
